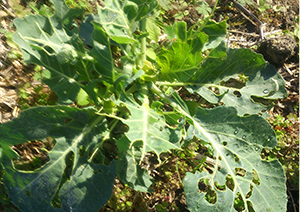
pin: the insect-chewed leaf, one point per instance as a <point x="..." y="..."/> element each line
<point x="129" y="170"/>
<point x="222" y="81"/>
<point x="73" y="180"/>
<point x="239" y="171"/>
<point x="51" y="44"/>
<point x="149" y="127"/>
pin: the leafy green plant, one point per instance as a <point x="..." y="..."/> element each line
<point x="130" y="104"/>
<point x="286" y="150"/>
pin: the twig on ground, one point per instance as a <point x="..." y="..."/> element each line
<point x="248" y="13"/>
<point x="7" y="11"/>
<point x="288" y="70"/>
<point x="293" y="202"/>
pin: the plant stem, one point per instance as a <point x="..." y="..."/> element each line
<point x="143" y="42"/>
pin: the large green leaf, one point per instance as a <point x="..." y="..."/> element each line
<point x="72" y="179"/>
<point x="262" y="81"/>
<point x="129" y="170"/>
<point x="51" y="44"/>
<point x="102" y="53"/>
<point x="147" y="133"/>
<point x="237" y="143"/>
<point x="149" y="127"/>
<point x="183" y="65"/>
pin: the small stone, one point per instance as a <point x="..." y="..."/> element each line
<point x="278" y="50"/>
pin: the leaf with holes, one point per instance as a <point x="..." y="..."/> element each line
<point x="128" y="103"/>
<point x="51" y="44"/>
<point x="240" y="175"/>
<point x="129" y="170"/>
<point x="72" y="179"/>
<point x="237" y="81"/>
<point x="241" y="78"/>
<point x="146" y="125"/>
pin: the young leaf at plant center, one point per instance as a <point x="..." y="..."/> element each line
<point x="237" y="143"/>
<point x="182" y="60"/>
<point x="80" y="184"/>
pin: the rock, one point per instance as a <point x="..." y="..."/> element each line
<point x="279" y="49"/>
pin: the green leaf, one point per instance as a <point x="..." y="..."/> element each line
<point x="181" y="31"/>
<point x="128" y="169"/>
<point x="203" y="8"/>
<point x="182" y="61"/>
<point x="216" y="33"/>
<point x="120" y="20"/>
<point x="82" y="98"/>
<point x="51" y="44"/>
<point x="86" y="28"/>
<point x="149" y="127"/>
<point x="237" y="143"/>
<point x="153" y="29"/>
<point x="114" y="21"/>
<point x="263" y="81"/>
<point x="72" y="179"/>
<point x="102" y="53"/>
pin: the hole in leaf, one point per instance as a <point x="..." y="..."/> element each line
<point x="224" y="143"/>
<point x="33" y="154"/>
<point x="215" y="90"/>
<point x="240" y="172"/>
<point x="98" y="158"/>
<point x="28" y="193"/>
<point x="249" y="194"/>
<point x="204" y="186"/>
<point x="250" y="206"/>
<point x="236" y="158"/>
<point x="255" y="178"/>
<point x="267" y="154"/>
<point x="56" y="201"/>
<point x="220" y="187"/>
<point x="239" y="203"/>
<point x="237" y="93"/>
<point x="261" y="100"/>
<point x="69" y="160"/>
<point x="68" y="120"/>
<point x="211" y="197"/>
<point x="82" y="150"/>
<point x="229" y="182"/>
<point x="236" y="131"/>
<point x="109" y="149"/>
<point x="233" y="83"/>
<point x="49" y="49"/>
